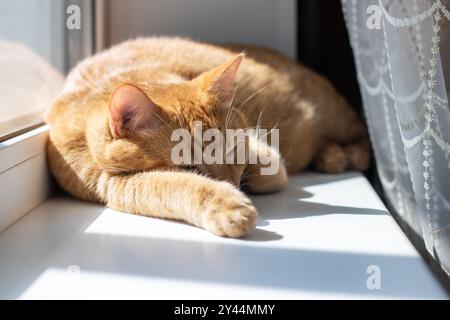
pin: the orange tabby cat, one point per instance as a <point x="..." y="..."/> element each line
<point x="110" y="129"/>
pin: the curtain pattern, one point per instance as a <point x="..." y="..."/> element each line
<point x="401" y="50"/>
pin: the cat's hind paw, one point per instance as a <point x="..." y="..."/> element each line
<point x="331" y="159"/>
<point x="358" y="157"/>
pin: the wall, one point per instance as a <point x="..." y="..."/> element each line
<point x="264" y="22"/>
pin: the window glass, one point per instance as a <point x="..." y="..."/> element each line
<point x="40" y="40"/>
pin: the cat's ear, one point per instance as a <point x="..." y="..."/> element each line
<point x="130" y="109"/>
<point x="222" y="79"/>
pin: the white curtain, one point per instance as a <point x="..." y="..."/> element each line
<point x="401" y="50"/>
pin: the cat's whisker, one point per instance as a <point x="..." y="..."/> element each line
<point x="254" y="95"/>
<point x="160" y="118"/>
<point x="245" y="176"/>
<point x="179" y="121"/>
<point x="254" y="127"/>
<point x="284" y="158"/>
<point x="231" y="107"/>
<point x="270" y="131"/>
<point x="244" y="184"/>
<point x="258" y="124"/>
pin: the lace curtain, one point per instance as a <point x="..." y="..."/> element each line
<point x="401" y="51"/>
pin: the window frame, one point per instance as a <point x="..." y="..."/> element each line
<point x="25" y="180"/>
<point x="76" y="45"/>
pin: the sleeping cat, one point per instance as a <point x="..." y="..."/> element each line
<point x="110" y="129"/>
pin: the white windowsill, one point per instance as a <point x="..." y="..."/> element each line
<point x="314" y="240"/>
<point x="24" y="178"/>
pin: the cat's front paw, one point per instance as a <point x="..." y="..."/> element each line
<point x="230" y="214"/>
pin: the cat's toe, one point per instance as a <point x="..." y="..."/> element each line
<point x="331" y="159"/>
<point x="239" y="222"/>
<point x="358" y="158"/>
<point x="229" y="212"/>
<point x="235" y="220"/>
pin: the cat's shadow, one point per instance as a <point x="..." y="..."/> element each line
<point x="261" y="235"/>
<point x="291" y="203"/>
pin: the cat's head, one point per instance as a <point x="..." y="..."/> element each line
<point x="142" y="119"/>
